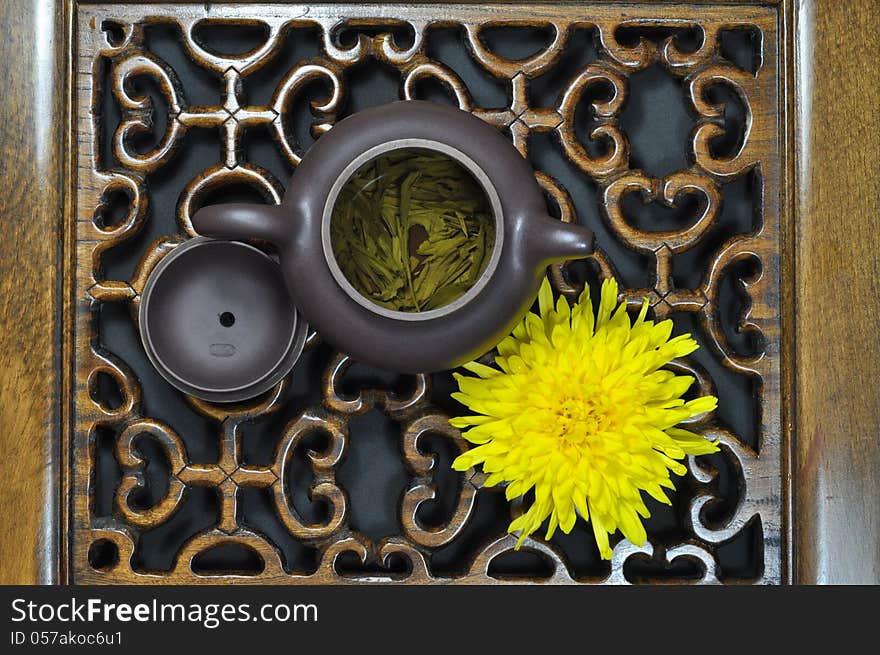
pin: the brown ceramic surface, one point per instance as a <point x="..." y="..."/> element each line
<point x="217" y="322"/>
<point x="527" y="240"/>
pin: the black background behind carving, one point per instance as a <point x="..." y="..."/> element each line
<point x="657" y="123"/>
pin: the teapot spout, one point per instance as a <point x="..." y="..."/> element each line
<point x="549" y="240"/>
<point x="241" y="221"/>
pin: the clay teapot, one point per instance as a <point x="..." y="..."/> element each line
<point x="526" y="240"/>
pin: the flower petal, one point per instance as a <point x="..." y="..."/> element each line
<point x="580" y="409"/>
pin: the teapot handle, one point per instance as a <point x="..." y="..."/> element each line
<point x="549" y="240"/>
<point x="241" y="221"/>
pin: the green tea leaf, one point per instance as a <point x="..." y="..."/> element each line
<point x="387" y="198"/>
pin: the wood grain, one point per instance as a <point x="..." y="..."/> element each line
<point x="31" y="151"/>
<point x="836" y="404"/>
<point x="123" y="529"/>
<point x="837" y="521"/>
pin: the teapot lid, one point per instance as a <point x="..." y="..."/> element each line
<point x="217" y="322"/>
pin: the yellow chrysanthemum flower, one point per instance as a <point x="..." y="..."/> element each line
<point x="582" y="412"/>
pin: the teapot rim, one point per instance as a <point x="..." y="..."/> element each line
<point x="473" y="168"/>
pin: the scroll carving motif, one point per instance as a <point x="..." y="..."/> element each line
<point x="350" y="37"/>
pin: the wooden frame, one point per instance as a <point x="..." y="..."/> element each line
<point x="832" y="528"/>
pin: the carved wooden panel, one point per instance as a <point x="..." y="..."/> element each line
<point x="341" y="474"/>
